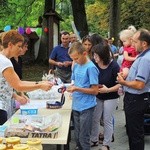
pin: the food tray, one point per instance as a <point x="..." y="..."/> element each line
<point x="34" y="126"/>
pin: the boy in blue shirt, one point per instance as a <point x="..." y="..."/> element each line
<point x="84" y="91"/>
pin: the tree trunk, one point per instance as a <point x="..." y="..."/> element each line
<point x="114" y="22"/>
<point x="43" y="48"/>
<point x="43" y="54"/>
<point x="79" y="16"/>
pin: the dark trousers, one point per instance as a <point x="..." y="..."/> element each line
<point x="134" y="106"/>
<point x="3" y="116"/>
<point x="64" y="75"/>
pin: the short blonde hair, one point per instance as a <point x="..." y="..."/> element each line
<point x="126" y="34"/>
<point x="76" y="47"/>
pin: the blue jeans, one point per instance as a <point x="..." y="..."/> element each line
<point x="82" y="126"/>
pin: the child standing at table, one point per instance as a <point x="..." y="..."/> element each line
<point x="84" y="91"/>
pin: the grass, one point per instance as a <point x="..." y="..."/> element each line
<point x="34" y="72"/>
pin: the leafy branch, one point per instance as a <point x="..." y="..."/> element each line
<point x="26" y="11"/>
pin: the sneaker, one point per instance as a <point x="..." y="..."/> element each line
<point x="93" y="144"/>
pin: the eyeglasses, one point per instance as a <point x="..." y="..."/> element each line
<point x="95" y="55"/>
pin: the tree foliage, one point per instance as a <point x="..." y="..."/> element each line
<point x="20" y="13"/>
<point x="97" y="16"/>
<point x="63" y="7"/>
<point x="26" y="13"/>
<point x="136" y="13"/>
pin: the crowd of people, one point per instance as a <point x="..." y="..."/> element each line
<point x="97" y="69"/>
<point x="113" y="65"/>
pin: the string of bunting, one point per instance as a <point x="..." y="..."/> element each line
<point x="27" y="30"/>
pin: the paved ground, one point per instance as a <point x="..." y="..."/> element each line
<point x="121" y="140"/>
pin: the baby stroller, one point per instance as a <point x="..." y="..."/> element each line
<point x="147" y="120"/>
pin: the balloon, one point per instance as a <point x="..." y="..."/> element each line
<point x="7" y="28"/>
<point x="38" y="31"/>
<point x="20" y="30"/>
<point x="28" y="30"/>
<point x="46" y="30"/>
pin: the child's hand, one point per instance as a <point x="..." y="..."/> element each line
<point x="121" y="74"/>
<point x="71" y="89"/>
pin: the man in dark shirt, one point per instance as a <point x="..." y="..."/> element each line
<point x="61" y="60"/>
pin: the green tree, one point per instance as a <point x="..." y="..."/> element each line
<point x="20" y="13"/>
<point x="63" y="7"/>
<point x="88" y="15"/>
<point x="135" y="13"/>
<point x="97" y="17"/>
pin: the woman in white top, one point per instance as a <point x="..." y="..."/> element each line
<point x="9" y="81"/>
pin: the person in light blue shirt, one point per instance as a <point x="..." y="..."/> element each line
<point x="136" y="87"/>
<point x="113" y="48"/>
<point x="84" y="91"/>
